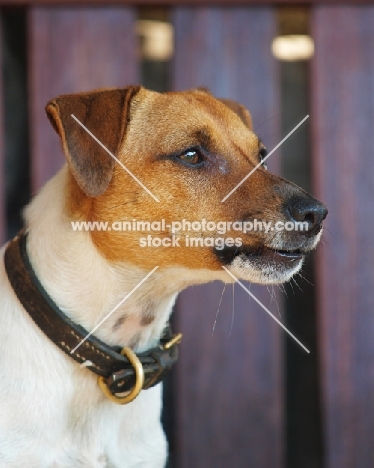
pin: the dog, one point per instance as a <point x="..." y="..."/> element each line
<point x="177" y="156"/>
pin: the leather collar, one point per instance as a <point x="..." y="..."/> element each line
<point x="119" y="370"/>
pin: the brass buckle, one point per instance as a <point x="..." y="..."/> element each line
<point x="176" y="339"/>
<point x="139" y="373"/>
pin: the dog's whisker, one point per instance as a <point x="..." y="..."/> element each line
<point x="297" y="284"/>
<point x="266" y="121"/>
<point x="324" y="242"/>
<point x="127" y="202"/>
<point x="233" y="309"/>
<point x="270" y="290"/>
<point x="273" y="298"/>
<point x="291" y="286"/>
<point x="219" y="305"/>
<point x="329" y="232"/>
<point x="304" y="278"/>
<point x="276" y="302"/>
<point x="283" y="289"/>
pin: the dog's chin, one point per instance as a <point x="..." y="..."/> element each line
<point x="265" y="265"/>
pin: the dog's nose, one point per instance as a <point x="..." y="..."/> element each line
<point x="306" y="209"/>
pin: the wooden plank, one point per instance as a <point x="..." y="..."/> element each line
<point x="199" y="3"/>
<point x="303" y="400"/>
<point x="229" y="385"/>
<point x="72" y="50"/>
<point x="2" y="158"/>
<point x="343" y="114"/>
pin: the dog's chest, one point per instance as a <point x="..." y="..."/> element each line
<point x="53" y="415"/>
<point x="112" y="436"/>
<point x="59" y="433"/>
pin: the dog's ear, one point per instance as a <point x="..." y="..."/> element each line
<point x="105" y="114"/>
<point x="239" y="109"/>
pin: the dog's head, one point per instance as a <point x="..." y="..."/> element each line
<point x="190" y="151"/>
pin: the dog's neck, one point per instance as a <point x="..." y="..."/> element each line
<point x="86" y="286"/>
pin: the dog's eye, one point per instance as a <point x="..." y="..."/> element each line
<point x="191" y="157"/>
<point x="263" y="153"/>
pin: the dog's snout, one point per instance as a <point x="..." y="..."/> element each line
<point x="306" y="209"/>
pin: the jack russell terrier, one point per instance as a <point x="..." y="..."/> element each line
<point x="60" y="383"/>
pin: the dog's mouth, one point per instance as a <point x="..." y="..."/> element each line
<point x="265" y="253"/>
<point x="280" y="255"/>
<point x="264" y="264"/>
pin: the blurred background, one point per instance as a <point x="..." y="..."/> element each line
<point x="244" y="394"/>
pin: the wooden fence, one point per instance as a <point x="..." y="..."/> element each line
<point x="229" y="392"/>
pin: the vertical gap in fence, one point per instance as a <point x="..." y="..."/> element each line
<point x="303" y="412"/>
<point x="342" y="89"/>
<point x="2" y="150"/>
<point x="229" y="383"/>
<point x="73" y="50"/>
<point x="15" y="145"/>
<point x="156" y="45"/>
